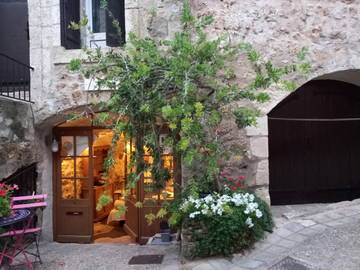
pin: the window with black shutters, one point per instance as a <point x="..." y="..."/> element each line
<point x="100" y="29"/>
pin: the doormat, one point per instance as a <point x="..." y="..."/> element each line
<point x="146" y="259"/>
<point x="289" y="263"/>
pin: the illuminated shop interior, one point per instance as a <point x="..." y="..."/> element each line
<point x="76" y="172"/>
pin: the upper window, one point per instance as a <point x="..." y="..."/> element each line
<point x="101" y="32"/>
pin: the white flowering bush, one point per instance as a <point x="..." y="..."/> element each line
<point x="230" y="222"/>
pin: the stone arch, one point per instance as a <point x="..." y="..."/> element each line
<point x="322" y="118"/>
<point x="258" y="135"/>
<point x="45" y="159"/>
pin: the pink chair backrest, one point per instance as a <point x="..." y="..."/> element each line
<point x="40" y="201"/>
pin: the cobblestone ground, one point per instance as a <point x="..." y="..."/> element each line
<point x="321" y="235"/>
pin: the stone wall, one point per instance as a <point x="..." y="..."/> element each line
<point x="16" y="137"/>
<point x="278" y="28"/>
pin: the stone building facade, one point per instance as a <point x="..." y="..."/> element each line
<point x="330" y="29"/>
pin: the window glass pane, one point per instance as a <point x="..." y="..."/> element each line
<point x="148" y="160"/>
<point x="67" y="167"/>
<point x="98" y="17"/>
<point x="82" y="145"/>
<point x="82" y="189"/>
<point x="149" y="191"/>
<point x="82" y="167"/>
<point x="168" y="192"/>
<point x="67" y="146"/>
<point x="67" y="189"/>
<point x="168" y="163"/>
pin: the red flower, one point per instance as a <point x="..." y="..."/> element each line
<point x="241" y="178"/>
<point x="231" y="187"/>
<point x="3" y="193"/>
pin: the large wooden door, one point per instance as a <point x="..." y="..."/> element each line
<point x="314" y="146"/>
<point x="73" y="211"/>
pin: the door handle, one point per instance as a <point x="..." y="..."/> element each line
<point x="74" y="213"/>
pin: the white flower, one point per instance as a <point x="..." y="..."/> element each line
<point x="204" y="211"/>
<point x="251" y="197"/>
<point x="197" y="204"/>
<point x="258" y="213"/>
<point x="193" y="214"/>
<point x="208" y="199"/>
<point x="249" y="222"/>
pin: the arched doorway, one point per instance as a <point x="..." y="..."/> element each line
<point x="314" y="146"/>
<point x="79" y="180"/>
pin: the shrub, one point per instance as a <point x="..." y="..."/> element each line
<point x="231" y="221"/>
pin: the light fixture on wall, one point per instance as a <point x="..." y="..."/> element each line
<point x="54" y="146"/>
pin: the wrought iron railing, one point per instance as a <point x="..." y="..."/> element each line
<point x="25" y="178"/>
<point x="14" y="78"/>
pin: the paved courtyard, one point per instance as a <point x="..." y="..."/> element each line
<point x="326" y="236"/>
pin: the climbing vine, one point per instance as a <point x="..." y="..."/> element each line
<point x="185" y="85"/>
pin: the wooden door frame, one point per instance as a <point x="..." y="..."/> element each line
<point x="72" y="131"/>
<point x="57" y="133"/>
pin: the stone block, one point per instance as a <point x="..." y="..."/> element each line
<point x="158" y="27"/>
<point x="261" y="129"/>
<point x="262" y="173"/>
<point x="263" y="193"/>
<point x="132" y="21"/>
<point x="131" y="4"/>
<point x="307" y="222"/>
<point x="259" y="147"/>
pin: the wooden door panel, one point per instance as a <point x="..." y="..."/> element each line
<point x="132" y="220"/>
<point x="73" y="186"/>
<point x="71" y="220"/>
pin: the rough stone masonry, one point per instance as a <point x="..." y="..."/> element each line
<point x="277" y="28"/>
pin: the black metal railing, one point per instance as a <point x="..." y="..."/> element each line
<point x="14" y="78"/>
<point x="25" y="178"/>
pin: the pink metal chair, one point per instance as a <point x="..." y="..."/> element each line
<point x="19" y="239"/>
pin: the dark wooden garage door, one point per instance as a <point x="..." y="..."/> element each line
<point x="314" y="144"/>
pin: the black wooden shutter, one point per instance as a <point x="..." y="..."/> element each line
<point x="117" y="9"/>
<point x="70" y="12"/>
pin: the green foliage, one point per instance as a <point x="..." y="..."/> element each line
<point x="75" y="64"/>
<point x="5" y="207"/>
<point x="150" y="218"/>
<point x="103" y="200"/>
<point x="245" y="117"/>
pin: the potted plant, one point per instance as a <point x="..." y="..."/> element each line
<point x="5" y="198"/>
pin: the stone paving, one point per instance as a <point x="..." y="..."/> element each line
<point x="321" y="235"/>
